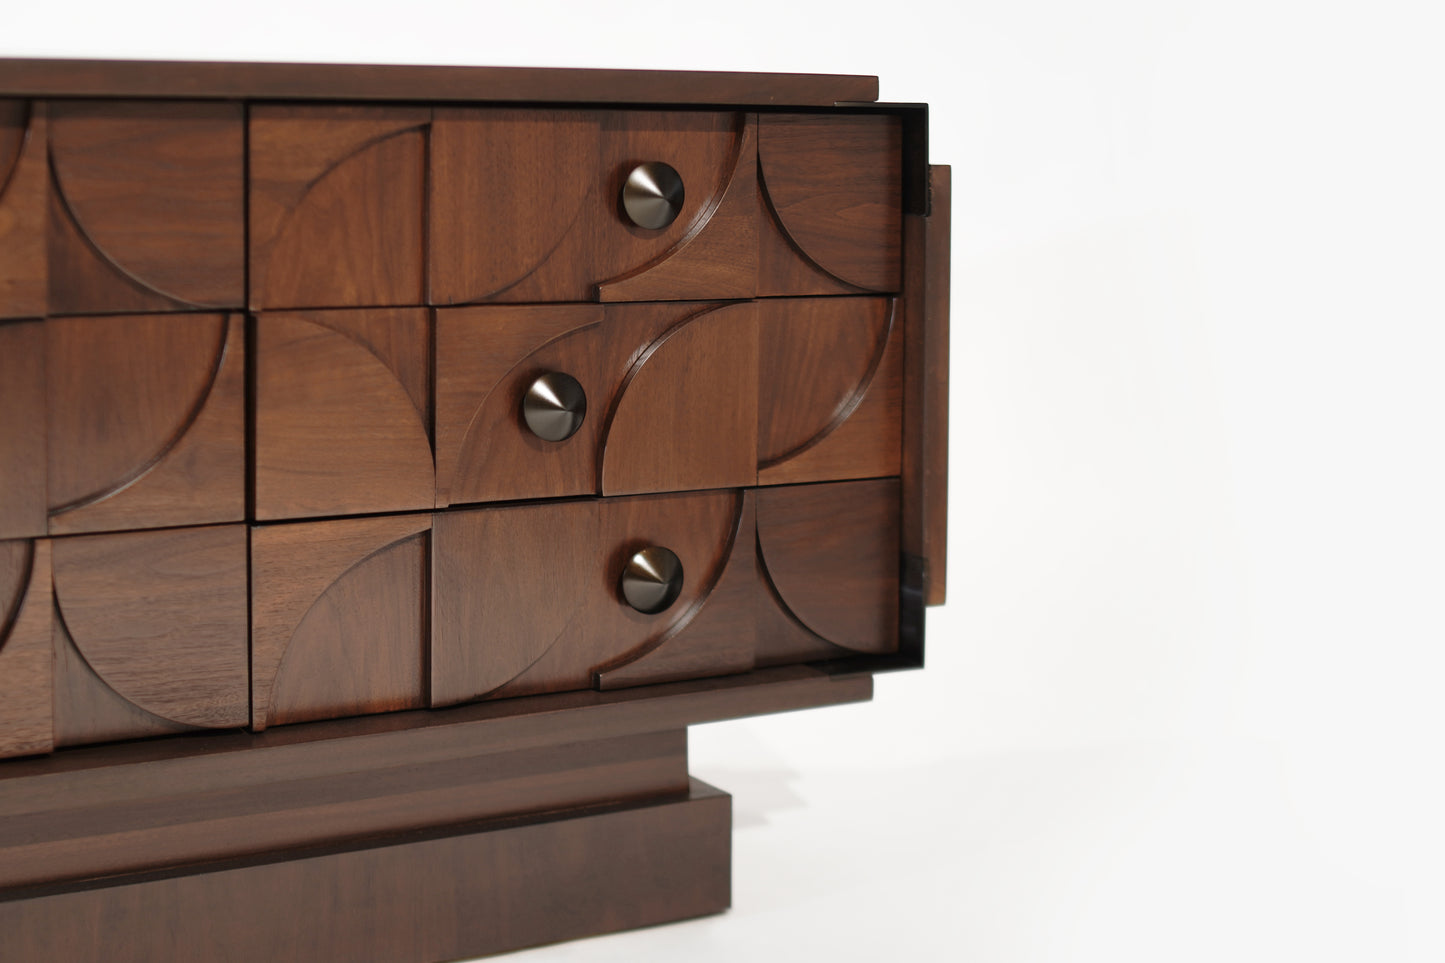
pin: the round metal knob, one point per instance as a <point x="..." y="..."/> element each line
<point x="652" y="196"/>
<point x="652" y="580"/>
<point x="554" y="406"/>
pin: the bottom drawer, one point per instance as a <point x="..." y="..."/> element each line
<point x="119" y="636"/>
<point x="532" y="598"/>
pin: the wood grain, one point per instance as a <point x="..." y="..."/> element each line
<point x="486" y="359"/>
<point x="525" y="205"/>
<point x="146" y="421"/>
<point x="925" y="422"/>
<point x="160" y="616"/>
<point x="835" y="185"/>
<point x="101" y="829"/>
<point x="339" y="618"/>
<point x="718" y="634"/>
<point x="343" y="413"/>
<point x="147" y="206"/>
<point x="509" y="584"/>
<point x="832" y="554"/>
<point x="467" y="891"/>
<point x="336" y="205"/>
<point x="26" y="671"/>
<point x="687" y="416"/>
<point x="387" y="82"/>
<point x="845" y="419"/>
<point x="22" y="429"/>
<point x="23" y="186"/>
<point x="87" y="710"/>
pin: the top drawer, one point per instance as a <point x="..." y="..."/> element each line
<point x="111" y="207"/>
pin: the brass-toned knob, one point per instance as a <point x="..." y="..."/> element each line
<point x="554" y="406"/>
<point x="652" y="580"/>
<point x="652" y="196"/>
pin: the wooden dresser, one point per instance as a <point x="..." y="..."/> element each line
<point x="395" y="461"/>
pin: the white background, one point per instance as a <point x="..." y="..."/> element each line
<point x="1184" y="701"/>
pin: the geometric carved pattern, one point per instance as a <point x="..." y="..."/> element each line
<point x="147" y="425"/>
<point x="146" y="206"/>
<point x="524" y="206"/>
<point x="22" y="429"/>
<point x="844" y="419"/>
<point x="25" y="663"/>
<point x="22" y="209"/>
<point x="526" y="596"/>
<point x="830" y="553"/>
<point x="343" y="413"/>
<point x="339" y="618"/>
<point x="833" y="211"/>
<point x="160" y="618"/>
<point x="336" y="206"/>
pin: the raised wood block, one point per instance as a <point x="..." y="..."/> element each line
<point x="147" y="421"/>
<point x="146" y="206"/>
<point x="24" y="181"/>
<point x="26" y="668"/>
<point x="22" y="429"/>
<point x="343" y="413"/>
<point x="449" y="895"/>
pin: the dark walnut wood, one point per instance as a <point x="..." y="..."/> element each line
<point x="22" y="429"/>
<point x="23" y="183"/>
<point x="525" y="206"/>
<point x="343" y="413"/>
<point x="146" y="421"/>
<point x="339" y="618"/>
<point x="146" y="202"/>
<point x="26" y="668"/>
<point x="336" y="205"/>
<point x="465" y="892"/>
<point x="925" y="431"/>
<point x="374" y="82"/>
<point x="160" y="618"/>
<point x="832" y="187"/>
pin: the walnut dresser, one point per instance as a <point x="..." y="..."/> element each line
<point x="395" y="461"/>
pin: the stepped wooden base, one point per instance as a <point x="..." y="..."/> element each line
<point x="414" y="899"/>
<point x="409" y="838"/>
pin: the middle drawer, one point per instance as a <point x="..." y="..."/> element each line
<point x="385" y="410"/>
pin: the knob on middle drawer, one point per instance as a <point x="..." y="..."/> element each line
<point x="652" y="579"/>
<point x="554" y="406"/>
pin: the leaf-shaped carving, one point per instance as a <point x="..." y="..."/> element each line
<point x="718" y="254"/>
<point x="147" y="426"/>
<point x="717" y="634"/>
<point x="831" y="552"/>
<point x="484" y="359"/>
<point x="510" y="584"/>
<point x="507" y="187"/>
<point x="700" y="527"/>
<point x="150" y="203"/>
<point x="687" y="414"/>
<point x="161" y="617"/>
<point x="338" y="621"/>
<point x="26" y="670"/>
<point x="23" y="180"/>
<point x="834" y="183"/>
<point x="339" y="428"/>
<point x="88" y="710"/>
<point x="22" y="429"/>
<point x="336" y="206"/>
<point x="844" y="420"/>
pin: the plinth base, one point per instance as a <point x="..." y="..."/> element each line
<point x="404" y="900"/>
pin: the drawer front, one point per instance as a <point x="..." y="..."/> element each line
<point x="315" y="410"/>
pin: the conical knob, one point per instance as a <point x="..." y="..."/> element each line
<point x="652" y="580"/>
<point x="652" y="196"/>
<point x="554" y="406"/>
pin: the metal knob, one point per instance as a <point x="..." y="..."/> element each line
<point x="554" y="406"/>
<point x="652" y="580"/>
<point x="653" y="195"/>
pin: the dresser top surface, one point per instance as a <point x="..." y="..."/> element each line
<point x="383" y="82"/>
